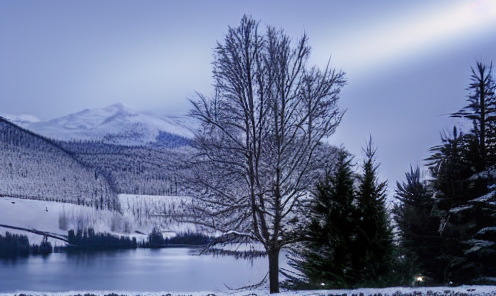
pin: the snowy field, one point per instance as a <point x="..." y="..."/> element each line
<point x="140" y="214"/>
<point x="46" y="216"/>
<point x="394" y="291"/>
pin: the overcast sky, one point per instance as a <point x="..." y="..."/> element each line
<point x="407" y="62"/>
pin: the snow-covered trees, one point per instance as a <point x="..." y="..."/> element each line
<point x="36" y="168"/>
<point x="463" y="186"/>
<point x="259" y="140"/>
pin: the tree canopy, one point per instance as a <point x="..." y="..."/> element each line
<point x="260" y="138"/>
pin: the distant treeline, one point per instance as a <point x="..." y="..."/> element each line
<point x="14" y="245"/>
<point x="157" y="240"/>
<point x="89" y="240"/>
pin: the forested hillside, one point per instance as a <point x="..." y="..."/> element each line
<point x="132" y="169"/>
<point x="36" y="168"/>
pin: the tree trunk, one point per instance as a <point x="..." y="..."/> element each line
<point x="274" y="270"/>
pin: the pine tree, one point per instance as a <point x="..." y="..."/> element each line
<point x="462" y="169"/>
<point x="325" y="258"/>
<point x="482" y="111"/>
<point x="373" y="250"/>
<point x="418" y="226"/>
<point x="477" y="214"/>
<point x="451" y="167"/>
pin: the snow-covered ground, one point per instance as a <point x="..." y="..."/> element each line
<point x="45" y="216"/>
<point x="396" y="291"/>
<point x="140" y="214"/>
<point x="58" y="217"/>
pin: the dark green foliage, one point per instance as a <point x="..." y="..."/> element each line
<point x="463" y="175"/>
<point x="43" y="249"/>
<point x="418" y="226"/>
<point x="325" y="258"/>
<point x="481" y="110"/>
<point x="349" y="240"/>
<point x="373" y="249"/>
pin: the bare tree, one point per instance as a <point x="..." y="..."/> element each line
<point x="260" y="141"/>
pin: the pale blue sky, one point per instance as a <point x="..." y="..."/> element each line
<point x="407" y="62"/>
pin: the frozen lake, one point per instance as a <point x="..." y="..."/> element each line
<point x="150" y="270"/>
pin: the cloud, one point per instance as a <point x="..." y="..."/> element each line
<point x="407" y="37"/>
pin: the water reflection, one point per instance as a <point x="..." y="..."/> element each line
<point x="129" y="270"/>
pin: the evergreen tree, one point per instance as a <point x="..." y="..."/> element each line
<point x="462" y="170"/>
<point x="418" y="226"/>
<point x="451" y="167"/>
<point x="477" y="214"/>
<point x="325" y="258"/>
<point x="482" y="111"/>
<point x="374" y="249"/>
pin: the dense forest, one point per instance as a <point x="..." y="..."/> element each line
<point x="133" y="169"/>
<point x="85" y="172"/>
<point x="34" y="167"/>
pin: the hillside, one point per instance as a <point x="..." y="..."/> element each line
<point x="131" y="169"/>
<point x="34" y="167"/>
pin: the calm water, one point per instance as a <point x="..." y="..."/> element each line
<point x="144" y="270"/>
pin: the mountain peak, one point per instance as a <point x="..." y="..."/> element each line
<point x="116" y="124"/>
<point x="118" y="107"/>
<point x="21" y="119"/>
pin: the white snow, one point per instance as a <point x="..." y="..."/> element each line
<point x="154" y="211"/>
<point x="44" y="216"/>
<point x="131" y="127"/>
<point x="451" y="291"/>
<point x="485" y="198"/>
<point x="22" y="119"/>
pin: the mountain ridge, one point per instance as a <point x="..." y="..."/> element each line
<point x="114" y="124"/>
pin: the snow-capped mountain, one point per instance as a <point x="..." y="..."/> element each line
<point x="115" y="124"/>
<point x="21" y="120"/>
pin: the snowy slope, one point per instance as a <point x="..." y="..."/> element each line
<point x="21" y="120"/>
<point x="115" y="124"/>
